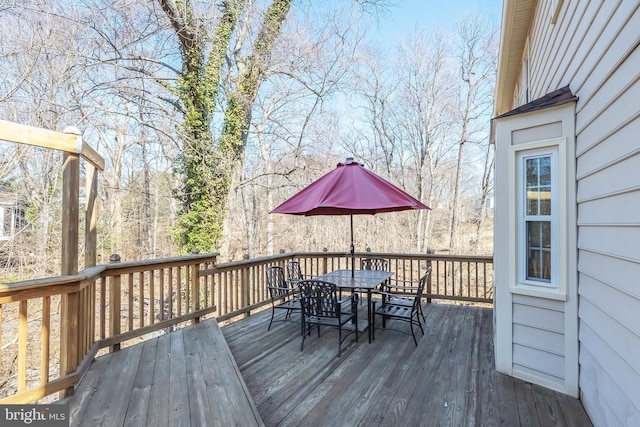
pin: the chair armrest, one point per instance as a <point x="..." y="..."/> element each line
<point x="280" y="288"/>
<point x="386" y="294"/>
<point x="402" y="282"/>
<point x="395" y="300"/>
<point x="304" y="277"/>
<point x="343" y="300"/>
<point x="401" y="288"/>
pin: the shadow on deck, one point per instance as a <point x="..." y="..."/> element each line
<point x="449" y="379"/>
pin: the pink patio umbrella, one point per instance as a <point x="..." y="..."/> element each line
<point x="349" y="189"/>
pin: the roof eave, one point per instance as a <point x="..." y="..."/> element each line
<point x="516" y="20"/>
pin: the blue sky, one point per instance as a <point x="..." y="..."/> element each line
<point x="426" y="14"/>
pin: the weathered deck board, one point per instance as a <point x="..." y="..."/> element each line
<point x="159" y="393"/>
<point x="137" y="412"/>
<point x="449" y="379"/>
<point x="185" y="378"/>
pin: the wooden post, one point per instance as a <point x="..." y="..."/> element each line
<point x="70" y="302"/>
<point x="70" y="209"/>
<point x="195" y="287"/>
<point x="245" y="289"/>
<point x="91" y="216"/>
<point x="114" y="304"/>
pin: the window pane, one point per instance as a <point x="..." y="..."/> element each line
<point x="545" y="170"/>
<point x="532" y="203"/>
<point x="532" y="172"/>
<point x="538" y="186"/>
<point x="545" y="201"/>
<point x="539" y="250"/>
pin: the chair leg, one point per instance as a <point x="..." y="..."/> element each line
<point x="420" y="324"/>
<point x="355" y="324"/>
<point x="412" y="334"/>
<point x="422" y="313"/>
<point x="372" y="321"/>
<point x="273" y="312"/>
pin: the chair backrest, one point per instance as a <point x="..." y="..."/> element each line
<point x="319" y="298"/>
<point x="379" y="264"/>
<point x="294" y="271"/>
<point x="421" y="284"/>
<point x="275" y="282"/>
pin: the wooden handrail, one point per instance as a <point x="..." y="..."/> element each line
<point x="109" y="305"/>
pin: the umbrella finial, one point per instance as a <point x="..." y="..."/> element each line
<point x="349" y="161"/>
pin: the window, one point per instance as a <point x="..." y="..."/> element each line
<point x="535" y="223"/>
<point x="537" y="217"/>
<point x="7" y="222"/>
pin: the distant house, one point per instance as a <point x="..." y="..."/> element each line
<point x="567" y="211"/>
<point x="11" y="215"/>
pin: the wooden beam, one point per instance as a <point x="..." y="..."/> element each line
<point x="92" y="156"/>
<point x="23" y="134"/>
<point x="69" y="141"/>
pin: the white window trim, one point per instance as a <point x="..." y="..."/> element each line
<point x="522" y="218"/>
<point x="518" y="284"/>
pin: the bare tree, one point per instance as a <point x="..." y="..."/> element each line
<point x="311" y="63"/>
<point x="476" y="65"/>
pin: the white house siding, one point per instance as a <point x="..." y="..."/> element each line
<point x="538" y="338"/>
<point x="593" y="48"/>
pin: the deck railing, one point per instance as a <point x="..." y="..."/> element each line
<point x="52" y="329"/>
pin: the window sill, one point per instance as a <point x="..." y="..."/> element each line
<point x="539" y="292"/>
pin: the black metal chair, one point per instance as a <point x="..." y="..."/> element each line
<point x="402" y="302"/>
<point x="379" y="264"/>
<point x="321" y="306"/>
<point x="294" y="273"/>
<point x="282" y="295"/>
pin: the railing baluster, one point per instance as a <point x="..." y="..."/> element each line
<point x="141" y="286"/>
<point x="162" y="295"/>
<point x="152" y="297"/>
<point x="170" y="292"/>
<point x="22" y="346"/>
<point x="195" y="290"/>
<point x="114" y="308"/>
<point x="44" y="337"/>
<point x="179" y="290"/>
<point x="103" y="307"/>
<point x="130" y="295"/>
<point x="187" y="288"/>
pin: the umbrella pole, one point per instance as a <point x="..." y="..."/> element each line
<point x="353" y="251"/>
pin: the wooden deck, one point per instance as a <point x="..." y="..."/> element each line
<point x="449" y="379"/>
